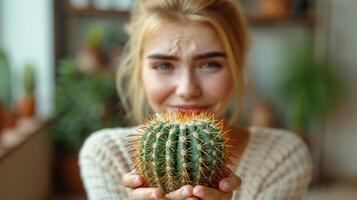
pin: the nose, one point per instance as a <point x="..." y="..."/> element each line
<point x="188" y="86"/>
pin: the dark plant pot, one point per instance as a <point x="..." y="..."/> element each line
<point x="300" y="6"/>
<point x="303" y="135"/>
<point x="26" y="106"/>
<point x="67" y="170"/>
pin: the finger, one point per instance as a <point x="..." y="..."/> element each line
<point x="180" y="194"/>
<point x="230" y="183"/>
<point x="147" y="194"/>
<point x="131" y="180"/>
<point x="210" y="193"/>
<point x="133" y="171"/>
<point x="192" y="198"/>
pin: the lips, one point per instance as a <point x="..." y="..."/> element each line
<point x="189" y="108"/>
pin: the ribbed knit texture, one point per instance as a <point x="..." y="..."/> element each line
<point x="275" y="165"/>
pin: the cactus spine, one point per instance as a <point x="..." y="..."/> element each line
<point x="174" y="149"/>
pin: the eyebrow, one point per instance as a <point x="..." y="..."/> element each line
<point x="197" y="57"/>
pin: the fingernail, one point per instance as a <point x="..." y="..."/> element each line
<point x="138" y="180"/>
<point x="225" y="185"/>
<point x="185" y="192"/>
<point x="200" y="192"/>
<point x="153" y="195"/>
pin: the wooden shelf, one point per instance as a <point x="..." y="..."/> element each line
<point x="256" y="19"/>
<point x="90" y="11"/>
<point x="27" y="162"/>
<point x="14" y="138"/>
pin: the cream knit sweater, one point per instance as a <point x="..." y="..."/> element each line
<point x="275" y="165"/>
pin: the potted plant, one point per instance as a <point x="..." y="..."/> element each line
<point x="7" y="114"/>
<point x="311" y="89"/>
<point x="26" y="104"/>
<point x="91" y="56"/>
<point x="275" y="8"/>
<point x="84" y="104"/>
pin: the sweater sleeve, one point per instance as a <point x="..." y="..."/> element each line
<point x="292" y="176"/>
<point x="102" y="164"/>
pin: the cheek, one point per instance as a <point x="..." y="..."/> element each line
<point x="156" y="89"/>
<point x="220" y="87"/>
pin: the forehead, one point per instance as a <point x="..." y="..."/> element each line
<point x="184" y="36"/>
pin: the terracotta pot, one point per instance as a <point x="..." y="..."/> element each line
<point x="68" y="173"/>
<point x="90" y="59"/>
<point x="262" y="114"/>
<point x="275" y="8"/>
<point x="26" y="106"/>
<point x="1" y="118"/>
<point x="9" y="119"/>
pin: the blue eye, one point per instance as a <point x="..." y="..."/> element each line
<point x="211" y="65"/>
<point x="162" y="66"/>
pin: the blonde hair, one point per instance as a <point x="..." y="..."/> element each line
<point x="224" y="16"/>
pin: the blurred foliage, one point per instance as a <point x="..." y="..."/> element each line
<point x="111" y="40"/>
<point x="84" y="104"/>
<point x="95" y="35"/>
<point x="105" y="40"/>
<point x="311" y="89"/>
<point x="5" y="81"/>
<point x="28" y="76"/>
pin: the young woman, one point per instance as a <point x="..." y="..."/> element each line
<point x="188" y="55"/>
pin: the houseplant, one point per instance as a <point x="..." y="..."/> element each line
<point x="84" y="104"/>
<point x="7" y="114"/>
<point x="311" y="89"/>
<point x="26" y="103"/>
<point x="91" y="56"/>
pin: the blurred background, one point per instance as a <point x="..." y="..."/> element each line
<point x="57" y="86"/>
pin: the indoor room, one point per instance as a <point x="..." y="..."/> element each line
<point x="64" y="75"/>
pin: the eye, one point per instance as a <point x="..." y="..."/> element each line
<point x="162" y="66"/>
<point x="211" y="65"/>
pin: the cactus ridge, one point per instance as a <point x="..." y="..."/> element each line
<point x="174" y="149"/>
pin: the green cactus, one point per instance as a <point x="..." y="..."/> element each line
<point x="5" y="80"/>
<point x="95" y="35"/>
<point x="28" y="76"/>
<point x="175" y="149"/>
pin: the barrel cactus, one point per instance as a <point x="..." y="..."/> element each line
<point x="178" y="148"/>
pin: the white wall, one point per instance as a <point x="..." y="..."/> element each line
<point x="26" y="34"/>
<point x="1" y="28"/>
<point x="267" y="63"/>
<point x="339" y="30"/>
<point x="341" y="128"/>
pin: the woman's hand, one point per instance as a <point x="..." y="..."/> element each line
<point x="226" y="187"/>
<point x="225" y="191"/>
<point x="184" y="193"/>
<point x="134" y="181"/>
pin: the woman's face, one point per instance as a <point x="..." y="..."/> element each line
<point x="185" y="68"/>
